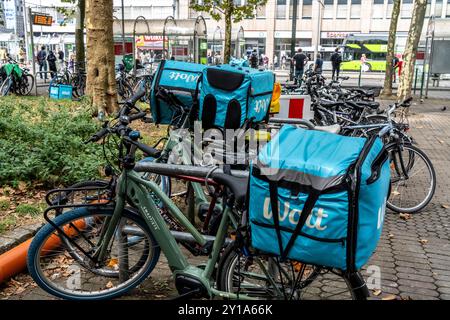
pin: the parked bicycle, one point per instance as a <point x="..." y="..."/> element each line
<point x="76" y="79"/>
<point x="15" y="79"/>
<point x="102" y="249"/>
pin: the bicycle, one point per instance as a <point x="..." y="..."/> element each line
<point x="407" y="163"/>
<point x="75" y="79"/>
<point x="108" y="249"/>
<point x="16" y="80"/>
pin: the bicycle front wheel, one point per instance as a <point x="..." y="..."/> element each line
<point x="413" y="179"/>
<point x="72" y="272"/>
<point x="6" y="86"/>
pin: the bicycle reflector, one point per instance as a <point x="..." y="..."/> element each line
<point x="275" y="103"/>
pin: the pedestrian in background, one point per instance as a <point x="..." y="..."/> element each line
<point x="395" y="62"/>
<point x="61" y="58"/>
<point x="3" y="55"/>
<point x="300" y="60"/>
<point x="254" y="59"/>
<point x="51" y="59"/>
<point x="42" y="61"/>
<point x="22" y="55"/>
<point x="318" y="64"/>
<point x="336" y="60"/>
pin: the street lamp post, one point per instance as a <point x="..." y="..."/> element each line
<point x="293" y="36"/>
<point x="319" y="23"/>
<point x="123" y="29"/>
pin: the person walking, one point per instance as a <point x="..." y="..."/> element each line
<point x="42" y="61"/>
<point x="51" y="59"/>
<point x="3" y="55"/>
<point x="61" y="59"/>
<point x="318" y="64"/>
<point x="22" y="55"/>
<point x="254" y="59"/>
<point x="395" y="63"/>
<point x="336" y="60"/>
<point x="300" y="60"/>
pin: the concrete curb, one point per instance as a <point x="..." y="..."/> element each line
<point x="15" y="237"/>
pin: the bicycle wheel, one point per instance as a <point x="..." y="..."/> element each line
<point x="413" y="179"/>
<point x="26" y="84"/>
<point x="78" y="84"/>
<point x="54" y="268"/>
<point x="264" y="277"/>
<point x="6" y="86"/>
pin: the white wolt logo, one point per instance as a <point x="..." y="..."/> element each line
<point x="261" y="105"/>
<point x="294" y="215"/>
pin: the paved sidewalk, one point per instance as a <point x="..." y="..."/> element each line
<point x="413" y="255"/>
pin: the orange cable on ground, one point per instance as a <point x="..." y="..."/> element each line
<point x="15" y="260"/>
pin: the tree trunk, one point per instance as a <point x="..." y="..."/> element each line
<point x="227" y="45"/>
<point x="101" y="84"/>
<point x="409" y="57"/>
<point x="387" y="90"/>
<point x="79" y="33"/>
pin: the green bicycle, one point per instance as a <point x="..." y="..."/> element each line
<point x="103" y="249"/>
<point x="15" y="79"/>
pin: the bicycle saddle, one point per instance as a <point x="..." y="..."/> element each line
<point x="237" y="186"/>
<point x="334" y="128"/>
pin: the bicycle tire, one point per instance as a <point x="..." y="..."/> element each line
<point x="432" y="173"/>
<point x="41" y="238"/>
<point x="5" y="88"/>
<point x="357" y="289"/>
<point x="26" y="84"/>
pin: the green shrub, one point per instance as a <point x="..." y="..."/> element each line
<point x="41" y="140"/>
<point x="6" y="223"/>
<point x="28" y="209"/>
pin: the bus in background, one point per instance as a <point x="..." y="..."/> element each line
<point x="372" y="45"/>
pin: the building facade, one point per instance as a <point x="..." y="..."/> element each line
<point x="11" y="24"/>
<point x="325" y="23"/>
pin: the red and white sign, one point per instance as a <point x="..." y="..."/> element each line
<point x="295" y="107"/>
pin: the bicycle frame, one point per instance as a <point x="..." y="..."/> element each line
<point x="132" y="186"/>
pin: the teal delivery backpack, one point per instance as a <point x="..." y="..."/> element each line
<point x="232" y="94"/>
<point x="182" y="80"/>
<point x="319" y="198"/>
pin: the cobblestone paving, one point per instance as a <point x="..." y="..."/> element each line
<point x="413" y="255"/>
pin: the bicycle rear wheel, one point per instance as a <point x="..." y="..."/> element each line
<point x="265" y="277"/>
<point x="69" y="272"/>
<point x="413" y="179"/>
<point x="26" y="84"/>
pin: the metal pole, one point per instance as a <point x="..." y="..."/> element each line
<point x="319" y="20"/>
<point x="430" y="61"/>
<point x="360" y="74"/>
<point x="293" y="36"/>
<point x="123" y="30"/>
<point x="25" y="27"/>
<point x="423" y="67"/>
<point x="415" y="80"/>
<point x="33" y="65"/>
